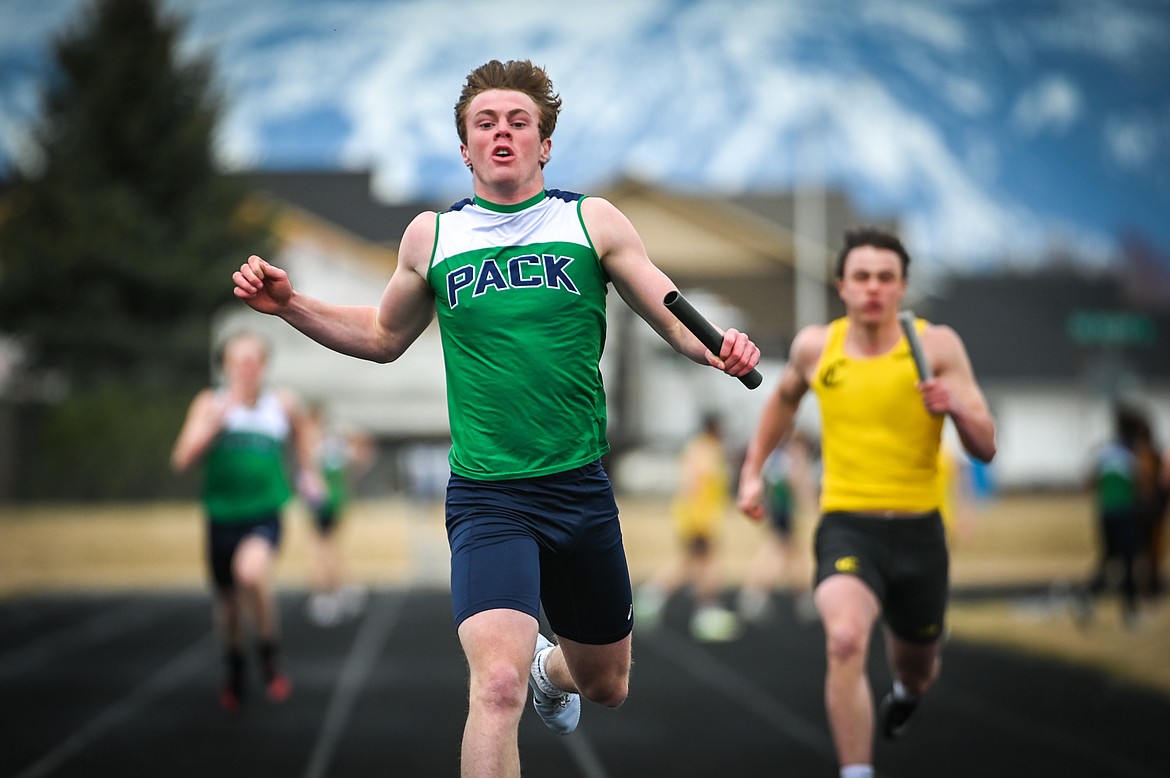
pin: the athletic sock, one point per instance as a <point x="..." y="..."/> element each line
<point x="857" y="771"/>
<point x="233" y="660"/>
<point x="752" y="604"/>
<point x="900" y="693"/>
<point x="541" y="674"/>
<point x="267" y="651"/>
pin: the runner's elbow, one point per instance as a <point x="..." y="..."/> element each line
<point x="985" y="453"/>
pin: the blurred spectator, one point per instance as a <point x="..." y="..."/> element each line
<point x="956" y="483"/>
<point x="699" y="507"/>
<point x="1152" y="499"/>
<point x="792" y="487"/>
<point x="1158" y="529"/>
<point x="1118" y="469"/>
<point x="340" y="455"/>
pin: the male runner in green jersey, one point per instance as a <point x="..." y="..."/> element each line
<point x="518" y="277"/>
<point x="240" y="433"/>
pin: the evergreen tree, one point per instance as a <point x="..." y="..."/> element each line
<point x="116" y="253"/>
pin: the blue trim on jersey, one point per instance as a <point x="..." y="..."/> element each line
<point x="555" y="194"/>
<point x="560" y="194"/>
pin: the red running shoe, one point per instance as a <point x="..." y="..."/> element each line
<point x="229" y="700"/>
<point x="279" y="687"/>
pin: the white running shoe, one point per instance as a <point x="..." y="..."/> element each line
<point x="754" y="605"/>
<point x="559" y="713"/>
<point x="806" y="608"/>
<point x="713" y="624"/>
<point x="324" y="610"/>
<point x="353" y="598"/>
<point x="649" y="603"/>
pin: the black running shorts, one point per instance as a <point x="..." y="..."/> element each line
<point x="902" y="559"/>
<point x="223" y="538"/>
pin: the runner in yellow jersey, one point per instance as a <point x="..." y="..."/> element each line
<point x="700" y="504"/>
<point x="880" y="545"/>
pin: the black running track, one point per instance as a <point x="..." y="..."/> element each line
<point x="124" y="685"/>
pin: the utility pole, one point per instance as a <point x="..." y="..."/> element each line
<point x="811" y="262"/>
<point x="810" y="223"/>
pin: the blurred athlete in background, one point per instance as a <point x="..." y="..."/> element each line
<point x="880" y="546"/>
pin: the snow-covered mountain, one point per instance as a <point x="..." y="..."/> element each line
<point x="994" y="129"/>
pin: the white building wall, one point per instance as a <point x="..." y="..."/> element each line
<point x="406" y="398"/>
<point x="1047" y="433"/>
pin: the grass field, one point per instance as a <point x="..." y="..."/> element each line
<point x="1040" y="543"/>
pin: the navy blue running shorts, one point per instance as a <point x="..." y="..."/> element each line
<point x="553" y="540"/>
<point x="223" y="538"/>
<point x="325" y="520"/>
<point x="903" y="560"/>
<point x="779" y="516"/>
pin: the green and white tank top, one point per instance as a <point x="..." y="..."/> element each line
<point x="244" y="476"/>
<point x="1117" y="479"/>
<point x="333" y="460"/>
<point x="520" y="296"/>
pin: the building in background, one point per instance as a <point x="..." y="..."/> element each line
<point x="1052" y="348"/>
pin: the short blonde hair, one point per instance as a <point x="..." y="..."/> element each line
<point x="240" y="336"/>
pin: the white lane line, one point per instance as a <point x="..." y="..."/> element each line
<point x="585" y="755"/>
<point x="194" y="660"/>
<point x="367" y="645"/>
<point x="742" y="691"/>
<point x="98" y="628"/>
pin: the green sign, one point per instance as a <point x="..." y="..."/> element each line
<point x="1111" y="328"/>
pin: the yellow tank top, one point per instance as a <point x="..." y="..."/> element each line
<point x="880" y="445"/>
<point x="948" y="486"/>
<point x="700" y="506"/>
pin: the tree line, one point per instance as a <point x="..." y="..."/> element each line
<point x="117" y="240"/>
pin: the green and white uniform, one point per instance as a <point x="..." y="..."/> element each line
<point x="1117" y="481"/>
<point x="333" y="459"/>
<point x="520" y="295"/>
<point x="245" y="477"/>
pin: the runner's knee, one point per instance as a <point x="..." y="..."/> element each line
<point x="846" y="642"/>
<point x="250" y="564"/>
<point x="249" y="575"/>
<point x="610" y="691"/>
<point x="499" y="688"/>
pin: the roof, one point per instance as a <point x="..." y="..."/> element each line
<point x="343" y="198"/>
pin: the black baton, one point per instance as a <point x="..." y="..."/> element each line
<point x="704" y="331"/>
